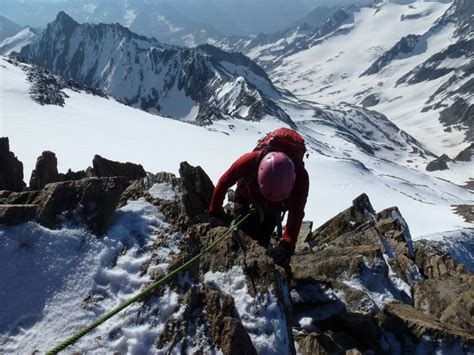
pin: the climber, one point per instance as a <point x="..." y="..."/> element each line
<point x="272" y="179"/>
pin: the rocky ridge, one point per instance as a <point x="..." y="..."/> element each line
<point x="269" y="50"/>
<point x="357" y="283"/>
<point x="149" y="75"/>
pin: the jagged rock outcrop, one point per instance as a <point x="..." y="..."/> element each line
<point x="411" y="326"/>
<point x="440" y="163"/>
<point x="46" y="171"/>
<point x="198" y="189"/>
<point x="401" y="49"/>
<point x="76" y="175"/>
<point x="91" y="201"/>
<point x="358" y="285"/>
<point x="16" y="214"/>
<point x="107" y="168"/>
<point x="17" y="198"/>
<point x="466" y="154"/>
<point x="447" y="293"/>
<point x="205" y="305"/>
<point x="11" y="169"/>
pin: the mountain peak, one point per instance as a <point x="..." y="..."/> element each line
<point x="67" y="22"/>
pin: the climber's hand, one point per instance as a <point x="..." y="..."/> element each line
<point x="282" y="253"/>
<point x="220" y="219"/>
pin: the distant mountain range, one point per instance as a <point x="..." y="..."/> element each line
<point x="198" y="85"/>
<point x="420" y="76"/>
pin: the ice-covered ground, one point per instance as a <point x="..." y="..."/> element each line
<point x="89" y="125"/>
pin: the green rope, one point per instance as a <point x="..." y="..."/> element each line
<point x="73" y="339"/>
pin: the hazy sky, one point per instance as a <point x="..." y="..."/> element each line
<point x="240" y="17"/>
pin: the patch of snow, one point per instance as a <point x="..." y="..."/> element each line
<point x="73" y="277"/>
<point x="261" y="316"/>
<point x="307" y="323"/>
<point x="166" y="191"/>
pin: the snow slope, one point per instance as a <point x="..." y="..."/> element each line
<point x="339" y="168"/>
<point x="331" y="72"/>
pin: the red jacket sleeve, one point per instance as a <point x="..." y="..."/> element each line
<point x="299" y="196"/>
<point x="245" y="165"/>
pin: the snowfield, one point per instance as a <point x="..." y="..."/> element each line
<point x="330" y="72"/>
<point x="339" y="171"/>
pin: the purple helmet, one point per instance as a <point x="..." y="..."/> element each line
<point x="276" y="176"/>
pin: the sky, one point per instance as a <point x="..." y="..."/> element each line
<point x="237" y="17"/>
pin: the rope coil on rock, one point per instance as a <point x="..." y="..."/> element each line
<point x="73" y="339"/>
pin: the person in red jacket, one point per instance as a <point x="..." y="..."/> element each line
<point x="272" y="183"/>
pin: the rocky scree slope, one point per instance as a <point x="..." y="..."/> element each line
<point x="197" y="85"/>
<point x="358" y="282"/>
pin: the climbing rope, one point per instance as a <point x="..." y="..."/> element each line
<point x="73" y="339"/>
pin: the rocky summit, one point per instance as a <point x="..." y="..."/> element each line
<point x="356" y="284"/>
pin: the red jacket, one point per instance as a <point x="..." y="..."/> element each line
<point x="244" y="170"/>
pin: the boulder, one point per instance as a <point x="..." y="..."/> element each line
<point x="19" y="198"/>
<point x="11" y="169"/>
<point x="304" y="236"/>
<point x="16" y="214"/>
<point x="406" y="322"/>
<point x="46" y="171"/>
<point x="448" y="291"/>
<point x="335" y="262"/>
<point x="197" y="189"/>
<point x="91" y="201"/>
<point x="436" y="264"/>
<point x="346" y="221"/>
<point x="107" y="168"/>
<point x="450" y="300"/>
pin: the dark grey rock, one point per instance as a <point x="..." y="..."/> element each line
<point x="370" y="100"/>
<point x="197" y="188"/>
<point x="11" y="169"/>
<point x="46" y="171"/>
<point x="16" y="214"/>
<point x="466" y="154"/>
<point x="107" y="168"/>
<point x="402" y="48"/>
<point x="440" y="163"/>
